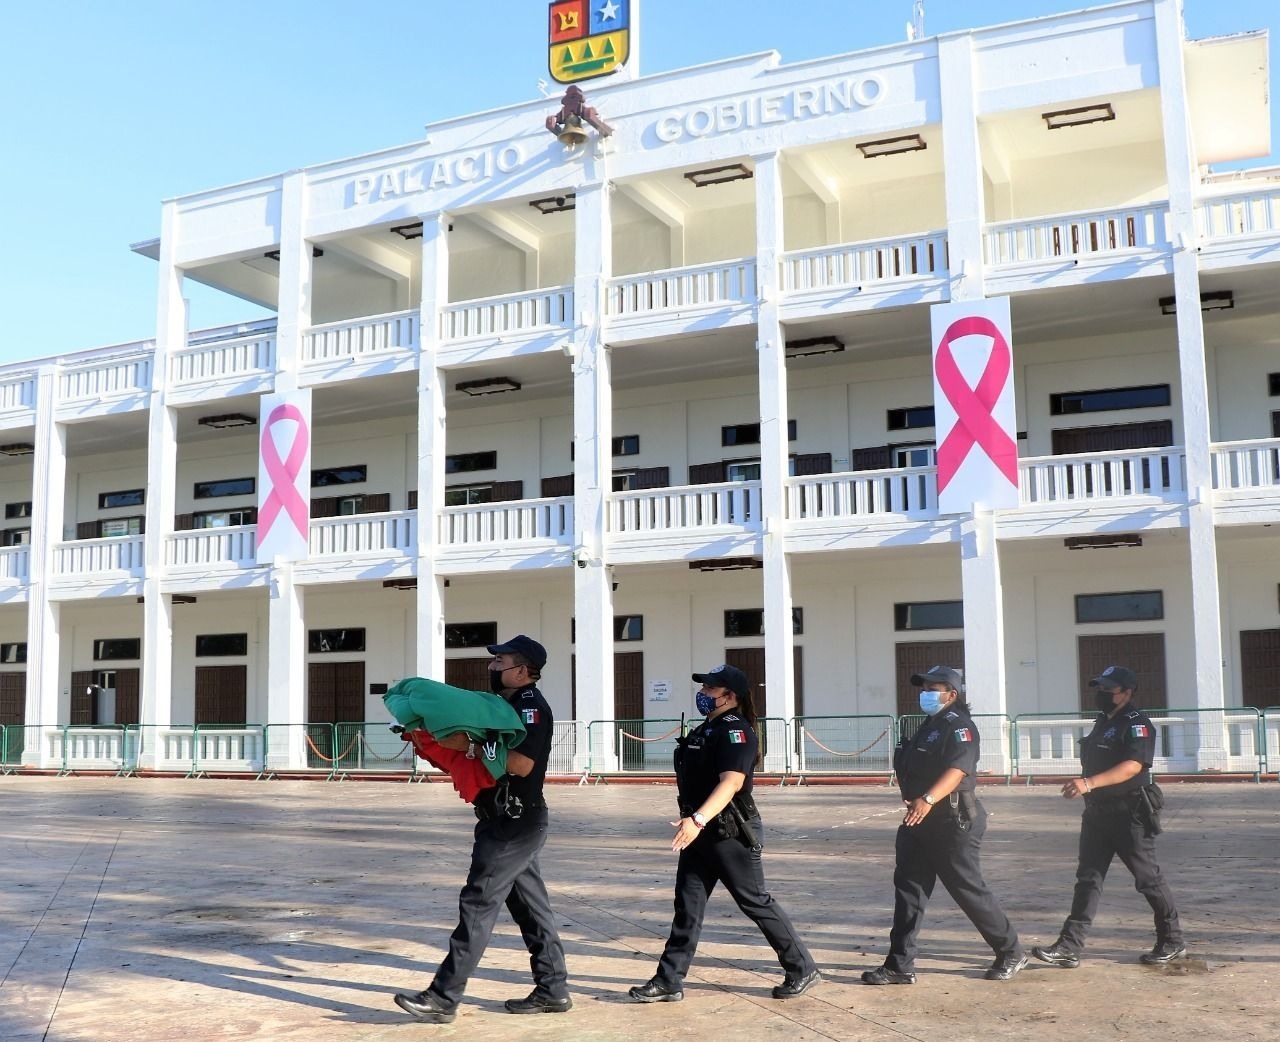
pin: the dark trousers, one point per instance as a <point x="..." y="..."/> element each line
<point x="1108" y="831"/>
<point x="709" y="860"/>
<point x="936" y="850"/>
<point x="504" y="868"/>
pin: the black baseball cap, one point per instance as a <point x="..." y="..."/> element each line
<point x="940" y="675"/>
<point x="1115" y="678"/>
<point x="730" y="677"/>
<point x="534" y="653"/>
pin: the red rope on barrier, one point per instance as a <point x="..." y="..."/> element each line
<point x="876" y="741"/>
<point x="332" y="759"/>
<point x="637" y="738"/>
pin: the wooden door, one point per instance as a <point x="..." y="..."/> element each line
<point x="917" y="656"/>
<point x="471" y="674"/>
<point x="752" y="662"/>
<point x="82" y="707"/>
<point x="13" y="706"/>
<point x="221" y="695"/>
<point x="128" y="689"/>
<point x="335" y="695"/>
<point x="1260" y="668"/>
<point x="1141" y="652"/>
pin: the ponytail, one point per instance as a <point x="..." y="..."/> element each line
<point x="747" y="710"/>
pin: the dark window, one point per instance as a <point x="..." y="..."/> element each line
<point x="113" y="648"/>
<point x="12" y="510"/>
<point x="466" y="462"/>
<point x="749" y="622"/>
<point x="15" y="536"/>
<point x="466" y="495"/>
<point x="1275" y="425"/>
<point x="628" y="627"/>
<point x="929" y="615"/>
<point x="339" y="476"/>
<point x="627" y="445"/>
<point x="1119" y="607"/>
<point x="321" y="642"/>
<point x="13" y="652"/>
<point x="227" y="487"/>
<point x="749" y="433"/>
<point x="1071" y="403"/>
<point x="1273" y="384"/>
<point x="211" y="644"/>
<point x="908" y="419"/>
<point x="225" y="518"/>
<point x="134" y="497"/>
<point x="470" y="634"/>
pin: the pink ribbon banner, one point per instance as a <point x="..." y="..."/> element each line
<point x="984" y="418"/>
<point x="288" y="540"/>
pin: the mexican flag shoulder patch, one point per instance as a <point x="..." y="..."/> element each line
<point x="738" y="737"/>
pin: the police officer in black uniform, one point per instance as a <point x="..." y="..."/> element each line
<point x="941" y="833"/>
<point x="719" y="839"/>
<point x="504" y="859"/>
<point x="1121" y="817"/>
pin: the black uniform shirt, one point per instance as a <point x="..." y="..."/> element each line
<point x="1128" y="735"/>
<point x="947" y="739"/>
<point x="539" y="724"/>
<point x="727" y="743"/>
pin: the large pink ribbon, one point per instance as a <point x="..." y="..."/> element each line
<point x="974" y="406"/>
<point x="283" y="474"/>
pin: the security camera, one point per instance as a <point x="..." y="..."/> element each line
<point x="583" y="556"/>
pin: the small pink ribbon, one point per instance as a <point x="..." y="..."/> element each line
<point x="283" y="474"/>
<point x="975" y="422"/>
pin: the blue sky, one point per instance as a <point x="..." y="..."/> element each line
<point x="111" y="106"/>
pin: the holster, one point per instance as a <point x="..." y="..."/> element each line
<point x="964" y="809"/>
<point x="1150" y="802"/>
<point x="499" y="802"/>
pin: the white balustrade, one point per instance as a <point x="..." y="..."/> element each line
<point x="107" y="377"/>
<point x="522" y="520"/>
<point x="860" y="263"/>
<point x="734" y="503"/>
<point x="1049" y="745"/>
<point x="1076" y="234"/>
<point x="14" y="563"/>
<point x="85" y="557"/>
<point x="910" y="491"/>
<point x="86" y="748"/>
<point x="18" y="392"/>
<point x="703" y="285"/>
<point x="237" y="545"/>
<point x="508" y="314"/>
<point x="360" y="337"/>
<point x="1244" y="465"/>
<point x="1239" y="214"/>
<point x="1102" y="475"/>
<point x="364" y="533"/>
<point x="224" y="359"/>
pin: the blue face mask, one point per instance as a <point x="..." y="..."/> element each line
<point x="930" y="702"/>
<point x="706" y="703"/>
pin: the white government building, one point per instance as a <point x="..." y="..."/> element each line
<point x="664" y="398"/>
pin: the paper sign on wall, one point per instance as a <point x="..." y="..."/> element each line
<point x="284" y="477"/>
<point x="973" y="406"/>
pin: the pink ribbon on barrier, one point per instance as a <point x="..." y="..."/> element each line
<point x="284" y="473"/>
<point x="974" y="406"/>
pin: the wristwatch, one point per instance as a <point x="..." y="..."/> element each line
<point x="928" y="798"/>
<point x="698" y="820"/>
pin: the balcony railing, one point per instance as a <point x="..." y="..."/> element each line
<point x="735" y="503"/>
<point x="509" y="314"/>
<point x="364" y="533"/>
<point x="18" y="392"/>
<point x="860" y="263"/>
<point x="224" y="359"/>
<point x="1239" y="214"/>
<point x="703" y="285"/>
<point x="1077" y="234"/>
<point x="95" y="556"/>
<point x="106" y="378"/>
<point x="236" y="546"/>
<point x="359" y="338"/>
<point x="1240" y="466"/>
<point x="1102" y="475"/>
<point x="907" y="491"/>
<point x="519" y="521"/>
<point x="14" y="562"/>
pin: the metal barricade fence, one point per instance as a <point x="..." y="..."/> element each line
<point x="8" y="760"/>
<point x="369" y="747"/>
<point x="775" y="749"/>
<point x="1271" y="740"/>
<point x="1048" y="743"/>
<point x="843" y="744"/>
<point x="297" y="747"/>
<point x="1207" y="741"/>
<point x="639" y="746"/>
<point x="87" y="748"/>
<point x="570" y="748"/>
<point x="227" y="749"/>
<point x="995" y="731"/>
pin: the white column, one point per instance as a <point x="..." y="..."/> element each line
<point x="779" y="638"/>
<point x="432" y="383"/>
<point x="155" y="709"/>
<point x="286" y="618"/>
<point x="44" y="616"/>
<point x="1207" y="685"/>
<point x="593" y="465"/>
<point x="979" y="553"/>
